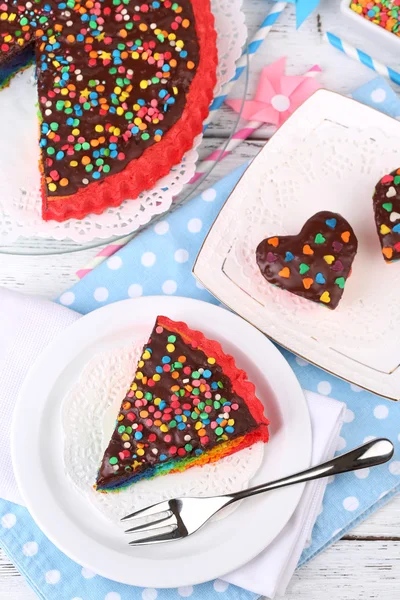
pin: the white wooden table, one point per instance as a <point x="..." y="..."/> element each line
<point x="365" y="564"/>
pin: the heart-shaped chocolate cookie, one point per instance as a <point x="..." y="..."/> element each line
<point x="314" y="264"/>
<point x="387" y="215"/>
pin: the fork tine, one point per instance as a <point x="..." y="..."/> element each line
<point x="154" y="539"/>
<point x="170" y="519"/>
<point x="154" y="509"/>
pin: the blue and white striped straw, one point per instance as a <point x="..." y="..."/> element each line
<point x="365" y="59"/>
<point x="254" y="44"/>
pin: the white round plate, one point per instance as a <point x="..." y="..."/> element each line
<point x="83" y="534"/>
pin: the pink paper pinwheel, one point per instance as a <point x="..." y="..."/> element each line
<point x="278" y="95"/>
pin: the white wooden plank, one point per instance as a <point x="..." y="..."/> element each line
<point x="384" y="523"/>
<point x="349" y="570"/>
<point x="45" y="276"/>
<point x="12" y="584"/>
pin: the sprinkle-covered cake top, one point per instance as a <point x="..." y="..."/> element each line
<point x="316" y="263"/>
<point x="113" y="76"/>
<point x="185" y="399"/>
<point x="386" y="203"/>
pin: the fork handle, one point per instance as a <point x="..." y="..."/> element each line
<point x="370" y="454"/>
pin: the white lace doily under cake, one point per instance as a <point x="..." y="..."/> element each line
<point x="20" y="198"/>
<point x="88" y="419"/>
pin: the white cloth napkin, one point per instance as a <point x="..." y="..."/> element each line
<point x="28" y="324"/>
<point x="270" y="572"/>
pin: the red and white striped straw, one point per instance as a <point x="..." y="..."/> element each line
<point x="101" y="256"/>
<point x="226" y="149"/>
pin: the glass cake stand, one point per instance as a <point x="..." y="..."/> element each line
<point x="36" y="245"/>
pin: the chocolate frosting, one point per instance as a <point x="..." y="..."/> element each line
<point x="166" y="416"/>
<point x="113" y="76"/>
<point x="314" y="264"/>
<point x="386" y="202"/>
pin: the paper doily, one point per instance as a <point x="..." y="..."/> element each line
<point x="335" y="168"/>
<point x="88" y="418"/>
<point x="20" y="199"/>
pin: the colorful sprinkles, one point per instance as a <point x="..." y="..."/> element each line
<point x="386" y="203"/>
<point x="112" y="79"/>
<point x="314" y="264"/>
<point x="180" y="406"/>
<point x="385" y="13"/>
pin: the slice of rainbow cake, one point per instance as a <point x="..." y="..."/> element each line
<point x="188" y="405"/>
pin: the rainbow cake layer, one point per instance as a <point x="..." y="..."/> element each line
<point x="123" y="86"/>
<point x="188" y="405"/>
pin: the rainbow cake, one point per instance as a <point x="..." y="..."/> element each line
<point x="188" y="405"/>
<point x="123" y="87"/>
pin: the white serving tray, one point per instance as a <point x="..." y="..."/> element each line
<point x="328" y="156"/>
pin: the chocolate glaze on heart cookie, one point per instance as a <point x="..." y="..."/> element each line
<point x="314" y="264"/>
<point x="387" y="215"/>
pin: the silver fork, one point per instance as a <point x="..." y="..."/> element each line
<point x="177" y="518"/>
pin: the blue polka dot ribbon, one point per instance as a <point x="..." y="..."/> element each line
<point x="159" y="261"/>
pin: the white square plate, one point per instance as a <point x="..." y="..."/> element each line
<point x="328" y="156"/>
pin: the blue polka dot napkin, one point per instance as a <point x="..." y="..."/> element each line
<point x="159" y="261"/>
